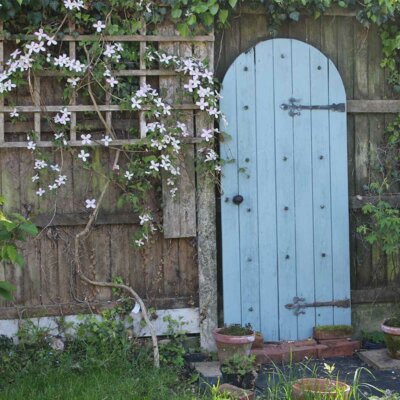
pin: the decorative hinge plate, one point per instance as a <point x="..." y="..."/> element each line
<point x="299" y="304"/>
<point x="294" y="107"/>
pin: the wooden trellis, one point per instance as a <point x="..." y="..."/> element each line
<point x="38" y="109"/>
<point x="174" y="273"/>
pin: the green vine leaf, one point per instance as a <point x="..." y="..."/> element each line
<point x="6" y="290"/>
<point x="223" y="16"/>
<point x="232" y="3"/>
<point x="183" y="29"/>
<point x="176" y="13"/>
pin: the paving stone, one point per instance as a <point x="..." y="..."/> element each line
<point x="379" y="359"/>
<point x="237" y="393"/>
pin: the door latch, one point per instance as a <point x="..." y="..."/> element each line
<point x="238" y="199"/>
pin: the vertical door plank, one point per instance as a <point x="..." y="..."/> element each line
<point x="321" y="187"/>
<point x="265" y="125"/>
<point x="339" y="195"/>
<point x="248" y="210"/>
<point x="229" y="211"/>
<point x="303" y="186"/>
<point x="285" y="188"/>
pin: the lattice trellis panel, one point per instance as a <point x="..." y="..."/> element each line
<point x="39" y="110"/>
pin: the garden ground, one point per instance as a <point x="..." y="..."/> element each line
<point x="100" y="361"/>
<point x="52" y="376"/>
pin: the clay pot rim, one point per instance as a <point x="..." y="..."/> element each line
<point x="335" y="384"/>
<point x="391" y="330"/>
<point x="245" y="339"/>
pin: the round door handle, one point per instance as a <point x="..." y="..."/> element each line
<point x="237" y="199"/>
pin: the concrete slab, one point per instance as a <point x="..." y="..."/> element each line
<point x="379" y="359"/>
<point x="209" y="373"/>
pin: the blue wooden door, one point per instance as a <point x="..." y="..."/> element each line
<point x="285" y="238"/>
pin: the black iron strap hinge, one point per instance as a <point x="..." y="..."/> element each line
<point x="299" y="304"/>
<point x="294" y="107"/>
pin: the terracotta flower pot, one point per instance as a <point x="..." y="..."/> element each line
<point x="392" y="339"/>
<point x="258" y="341"/>
<point x="228" y="345"/>
<point x="309" y="388"/>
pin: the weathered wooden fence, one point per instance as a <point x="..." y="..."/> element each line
<point x="169" y="271"/>
<point x="356" y="51"/>
<point x="165" y="273"/>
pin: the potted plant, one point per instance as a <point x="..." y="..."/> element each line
<point x="332" y="332"/>
<point x="373" y="340"/>
<point x="240" y="371"/>
<point x="320" y="388"/>
<point x="258" y="341"/>
<point x="391" y="330"/>
<point x="233" y="339"/>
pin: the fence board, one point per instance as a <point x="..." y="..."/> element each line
<point x="166" y="273"/>
<point x="179" y="212"/>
